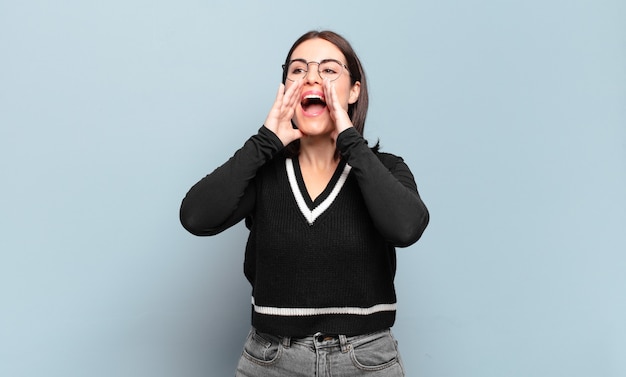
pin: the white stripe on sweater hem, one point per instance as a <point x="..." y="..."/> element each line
<point x="302" y="312"/>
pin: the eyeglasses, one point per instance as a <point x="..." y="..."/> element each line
<point x="330" y="69"/>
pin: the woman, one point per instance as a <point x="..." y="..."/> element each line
<point x="325" y="214"/>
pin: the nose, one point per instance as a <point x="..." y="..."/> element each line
<point x="313" y="75"/>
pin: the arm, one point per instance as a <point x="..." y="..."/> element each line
<point x="388" y="188"/>
<point x="226" y="196"/>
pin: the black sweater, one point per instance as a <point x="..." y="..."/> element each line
<point x="326" y="265"/>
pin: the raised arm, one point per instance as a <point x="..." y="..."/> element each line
<point x="388" y="188"/>
<point x="226" y="196"/>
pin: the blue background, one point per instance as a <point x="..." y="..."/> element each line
<point x="511" y="114"/>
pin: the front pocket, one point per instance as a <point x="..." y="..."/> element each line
<point x="262" y="349"/>
<point x="377" y="353"/>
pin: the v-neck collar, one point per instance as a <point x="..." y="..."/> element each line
<point x="312" y="209"/>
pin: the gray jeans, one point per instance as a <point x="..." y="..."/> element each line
<point x="372" y="355"/>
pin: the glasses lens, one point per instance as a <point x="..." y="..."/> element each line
<point x="330" y="70"/>
<point x="296" y="70"/>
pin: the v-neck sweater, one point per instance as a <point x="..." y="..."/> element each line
<point x="324" y="265"/>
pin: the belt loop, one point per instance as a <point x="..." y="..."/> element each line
<point x="343" y="341"/>
<point x="286" y="341"/>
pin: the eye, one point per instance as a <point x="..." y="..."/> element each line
<point x="297" y="68"/>
<point x="330" y="68"/>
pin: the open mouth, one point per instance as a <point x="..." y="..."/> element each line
<point x="313" y="103"/>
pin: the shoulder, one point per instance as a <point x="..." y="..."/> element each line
<point x="390" y="160"/>
<point x="274" y="166"/>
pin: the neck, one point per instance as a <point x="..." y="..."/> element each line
<point x="318" y="151"/>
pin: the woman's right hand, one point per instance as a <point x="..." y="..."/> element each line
<point x="279" y="119"/>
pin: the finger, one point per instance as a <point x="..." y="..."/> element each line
<point x="278" y="101"/>
<point x="331" y="95"/>
<point x="292" y="94"/>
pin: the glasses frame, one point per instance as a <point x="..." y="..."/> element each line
<point x="285" y="66"/>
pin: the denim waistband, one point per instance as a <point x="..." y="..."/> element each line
<point x="323" y="340"/>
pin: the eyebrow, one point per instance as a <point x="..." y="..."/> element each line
<point x="313" y="61"/>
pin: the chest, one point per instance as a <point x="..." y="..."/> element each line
<point x="284" y="202"/>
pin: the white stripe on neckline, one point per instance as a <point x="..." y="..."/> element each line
<point x="304" y="312"/>
<point x="312" y="215"/>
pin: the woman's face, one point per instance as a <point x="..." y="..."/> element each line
<point x="313" y="117"/>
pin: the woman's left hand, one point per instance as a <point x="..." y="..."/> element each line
<point x="337" y="113"/>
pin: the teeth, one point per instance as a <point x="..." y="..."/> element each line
<point x="313" y="96"/>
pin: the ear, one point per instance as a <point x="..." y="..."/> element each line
<point x="354" y="93"/>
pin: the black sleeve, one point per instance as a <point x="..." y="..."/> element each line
<point x="227" y="195"/>
<point x="388" y="188"/>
